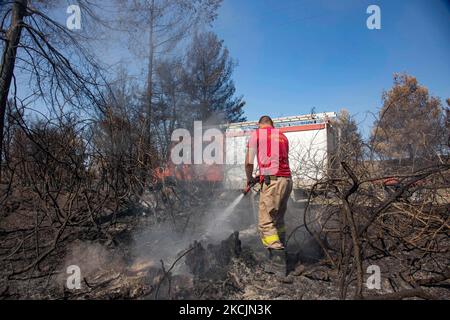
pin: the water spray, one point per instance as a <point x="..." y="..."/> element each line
<point x="219" y="221"/>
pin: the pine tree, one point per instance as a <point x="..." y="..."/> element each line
<point x="208" y="80"/>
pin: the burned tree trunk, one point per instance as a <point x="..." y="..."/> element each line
<point x="212" y="262"/>
<point x="8" y="61"/>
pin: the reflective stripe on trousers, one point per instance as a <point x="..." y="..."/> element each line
<point x="270" y="240"/>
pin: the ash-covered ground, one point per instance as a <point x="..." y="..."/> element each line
<point x="180" y="247"/>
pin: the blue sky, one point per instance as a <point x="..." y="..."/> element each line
<point x="294" y="55"/>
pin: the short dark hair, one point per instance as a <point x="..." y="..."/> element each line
<point x="265" y="120"/>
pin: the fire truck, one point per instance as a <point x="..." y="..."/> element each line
<point x="312" y="142"/>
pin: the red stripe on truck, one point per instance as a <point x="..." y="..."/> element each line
<point x="306" y="127"/>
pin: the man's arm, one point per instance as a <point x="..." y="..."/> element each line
<point x="249" y="157"/>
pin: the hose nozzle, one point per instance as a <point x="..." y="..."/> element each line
<point x="250" y="185"/>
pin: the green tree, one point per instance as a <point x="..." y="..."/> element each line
<point x="208" y="80"/>
<point x="156" y="28"/>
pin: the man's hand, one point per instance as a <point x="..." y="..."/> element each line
<point x="251" y="181"/>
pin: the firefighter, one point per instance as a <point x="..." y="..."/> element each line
<point x="271" y="148"/>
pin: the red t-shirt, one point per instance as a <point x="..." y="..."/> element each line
<point x="272" y="151"/>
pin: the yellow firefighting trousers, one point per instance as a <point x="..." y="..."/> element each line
<point x="272" y="208"/>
